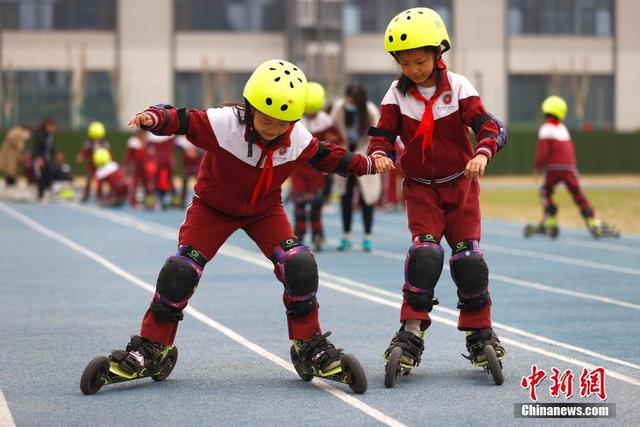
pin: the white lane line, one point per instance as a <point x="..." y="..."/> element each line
<point x="348" y="399"/>
<point x="259" y="260"/>
<point x="528" y="284"/>
<point x="6" y="420"/>
<point x="539" y="255"/>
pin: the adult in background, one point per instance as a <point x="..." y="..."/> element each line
<point x="353" y="114"/>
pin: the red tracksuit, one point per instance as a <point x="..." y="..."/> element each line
<point x="87" y="150"/>
<point x="307" y="184"/>
<point x="118" y="181"/>
<point x="439" y="200"/>
<point x="556" y="156"/>
<point x="136" y="156"/>
<point x="238" y="187"/>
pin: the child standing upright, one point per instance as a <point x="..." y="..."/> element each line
<point x="96" y="134"/>
<point x="432" y="109"/>
<point x="556" y="157"/>
<point x="251" y="149"/>
<point x="307" y="184"/>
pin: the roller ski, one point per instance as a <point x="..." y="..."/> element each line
<point x="548" y="227"/>
<point x="599" y="228"/>
<point x="486" y="352"/>
<point x="402" y="356"/>
<point x="141" y="359"/>
<point x="319" y="358"/>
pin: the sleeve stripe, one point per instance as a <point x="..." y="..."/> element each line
<point x="344" y="163"/>
<point x="484" y="150"/>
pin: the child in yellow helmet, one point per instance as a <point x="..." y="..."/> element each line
<point x="250" y="150"/>
<point x="96" y="133"/>
<point x="307" y="184"/>
<point x="555" y="156"/>
<point x="431" y="109"/>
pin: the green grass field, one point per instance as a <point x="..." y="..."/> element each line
<point x="616" y="200"/>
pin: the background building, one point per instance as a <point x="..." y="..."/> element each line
<point x="81" y="60"/>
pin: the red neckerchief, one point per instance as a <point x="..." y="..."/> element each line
<point x="425" y="128"/>
<point x="266" y="175"/>
<point x="553" y="120"/>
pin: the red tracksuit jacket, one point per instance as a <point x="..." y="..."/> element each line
<point x="457" y="107"/>
<point x="236" y="183"/>
<point x="555" y="151"/>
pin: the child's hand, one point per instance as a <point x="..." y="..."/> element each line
<point x="475" y="167"/>
<point x="383" y="164"/>
<point x="140" y="120"/>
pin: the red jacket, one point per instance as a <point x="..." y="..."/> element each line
<point x="555" y="149"/>
<point x="307" y="178"/>
<point x="230" y="178"/>
<point x="117" y="179"/>
<point x="457" y="107"/>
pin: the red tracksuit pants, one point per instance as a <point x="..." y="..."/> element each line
<point x="450" y="210"/>
<point x="206" y="229"/>
<point x="570" y="179"/>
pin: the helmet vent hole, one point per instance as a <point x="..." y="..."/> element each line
<point x="420" y="12"/>
<point x="280" y="62"/>
<point x="269" y="101"/>
<point x="291" y="85"/>
<point x="391" y="39"/>
<point x="284" y="107"/>
<point x="299" y="79"/>
<point x="277" y="79"/>
<point x="408" y="17"/>
<point x="403" y="37"/>
<point x="272" y="69"/>
<point x="287" y="72"/>
<point x="295" y="69"/>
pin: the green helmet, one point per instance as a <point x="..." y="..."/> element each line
<point x="278" y="89"/>
<point x="101" y="157"/>
<point x="315" y="98"/>
<point x="555" y="106"/>
<point x="414" y="28"/>
<point x="96" y="130"/>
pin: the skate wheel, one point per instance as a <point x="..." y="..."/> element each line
<point x="494" y="365"/>
<point x="93" y="376"/>
<point x="554" y="232"/>
<point x="392" y="368"/>
<point x="295" y="359"/>
<point x="167" y="365"/>
<point x="354" y="373"/>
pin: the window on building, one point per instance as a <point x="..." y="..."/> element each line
<point x="373" y="16"/>
<point x="98" y="103"/>
<point x="47" y="15"/>
<point x="526" y="93"/>
<point x="230" y="15"/>
<point x="579" y="17"/>
<point x="208" y="89"/>
<point x="30" y="96"/>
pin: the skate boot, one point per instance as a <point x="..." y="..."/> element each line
<point x="486" y="352"/>
<point x="142" y="358"/>
<point x="319" y="358"/>
<point x="599" y="228"/>
<point x="318" y="241"/>
<point x="548" y="227"/>
<point x="403" y="355"/>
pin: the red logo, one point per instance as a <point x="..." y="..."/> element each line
<point x="447" y="98"/>
<point x="282" y="150"/>
<point x="592" y="382"/>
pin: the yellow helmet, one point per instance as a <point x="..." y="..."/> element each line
<point x="278" y="89"/>
<point x="101" y="156"/>
<point x="555" y="106"/>
<point x="416" y="27"/>
<point x="315" y="98"/>
<point x="96" y="130"/>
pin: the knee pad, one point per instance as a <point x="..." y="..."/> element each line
<point x="422" y="269"/>
<point x="471" y="275"/>
<point x="176" y="283"/>
<point x="296" y="268"/>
